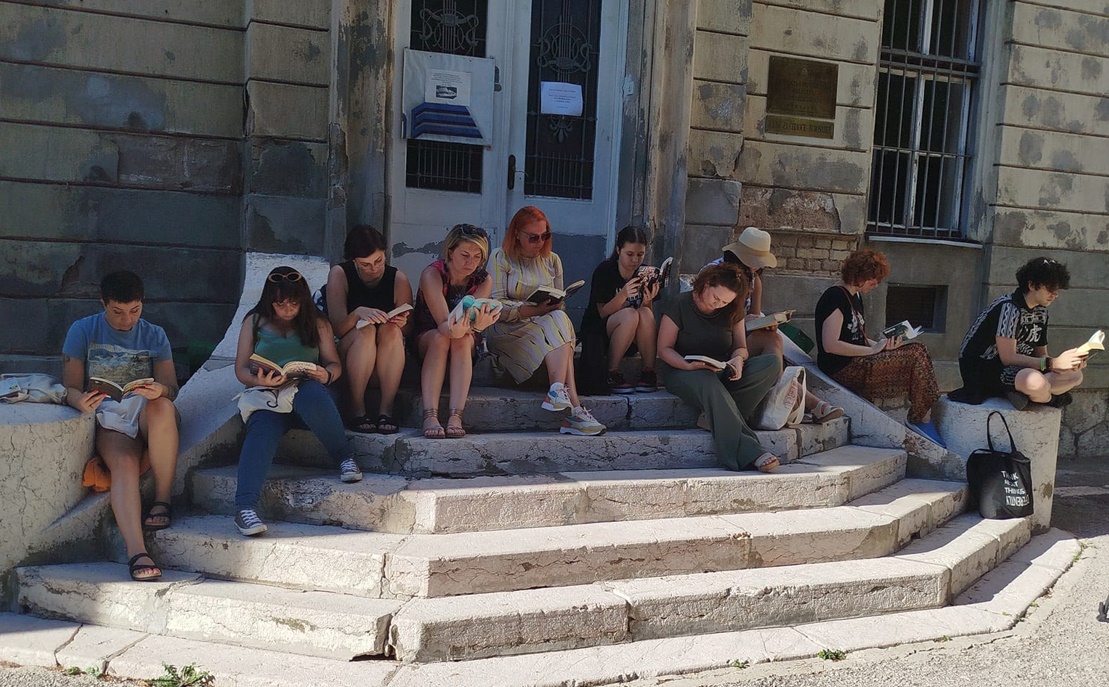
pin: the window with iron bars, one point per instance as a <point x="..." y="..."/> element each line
<point x="927" y="82"/>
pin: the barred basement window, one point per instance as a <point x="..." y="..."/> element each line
<point x="922" y="306"/>
<point x="927" y="77"/>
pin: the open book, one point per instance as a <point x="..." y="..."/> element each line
<point x="294" y="369"/>
<point x="901" y="329"/>
<point x="1095" y="343"/>
<point x="649" y="276"/>
<point x="469" y="305"/>
<point x="774" y="318"/>
<point x="115" y="391"/>
<point x="719" y="365"/>
<point x="9" y="388"/>
<point x="399" y="310"/>
<point x="543" y="294"/>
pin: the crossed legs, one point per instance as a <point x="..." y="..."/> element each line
<point x="1040" y="387"/>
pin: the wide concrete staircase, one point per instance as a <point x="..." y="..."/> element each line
<point x="517" y="540"/>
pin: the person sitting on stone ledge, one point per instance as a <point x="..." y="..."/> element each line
<point x="444" y="341"/>
<point x="285" y="327"/>
<point x="708" y="321"/>
<point x="1005" y="351"/>
<point x="750" y="253"/>
<point x="119" y="346"/>
<point x="874" y="369"/>
<point x="619" y="320"/>
<point x="361" y="291"/>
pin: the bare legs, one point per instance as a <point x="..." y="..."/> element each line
<point x="122" y="455"/>
<point x="627" y="325"/>
<point x="1041" y="387"/>
<point x="436" y="350"/>
<point x="374" y="350"/>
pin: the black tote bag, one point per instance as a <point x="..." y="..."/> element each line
<point x="1000" y="481"/>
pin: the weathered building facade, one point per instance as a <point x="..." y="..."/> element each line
<point x="960" y="137"/>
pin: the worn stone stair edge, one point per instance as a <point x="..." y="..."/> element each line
<point x="994" y="604"/>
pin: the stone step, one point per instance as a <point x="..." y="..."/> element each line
<point x="387" y="503"/>
<point x="435" y="565"/>
<point x="521" y="622"/>
<point x="188" y="606"/>
<point x="532" y="452"/>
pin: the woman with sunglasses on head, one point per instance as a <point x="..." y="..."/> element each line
<point x="530" y="335"/>
<point x="441" y="338"/>
<point x="285" y="326"/>
<point x="708" y="321"/>
<point x="360" y="293"/>
<point x="872" y="368"/>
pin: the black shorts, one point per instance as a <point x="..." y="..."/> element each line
<point x="986" y="378"/>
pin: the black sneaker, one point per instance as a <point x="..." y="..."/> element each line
<point x="349" y="471"/>
<point x="1019" y="400"/>
<point x="618" y="385"/>
<point x="249" y="523"/>
<point x="1061" y="400"/>
<point x="648" y="381"/>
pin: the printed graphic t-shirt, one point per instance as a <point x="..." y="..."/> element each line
<point x="111" y="354"/>
<point x="1010" y="318"/>
<point x="853" y="329"/>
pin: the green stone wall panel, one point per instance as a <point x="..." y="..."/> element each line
<point x="1044" y="109"/>
<point x="720" y="57"/>
<point x="860" y="9"/>
<point x="52" y="95"/>
<point x="279" y="224"/>
<point x="308" y="13"/>
<point x="286" y="111"/>
<point x="214" y="12"/>
<point x="288" y="55"/>
<point x="1059" y="71"/>
<point x="765" y="163"/>
<point x="718" y="106"/>
<point x="1050" y="230"/>
<point x="724" y="16"/>
<point x="714" y="154"/>
<point x="1064" y="30"/>
<point x="793" y="31"/>
<point x="108" y="215"/>
<point x="1087" y="268"/>
<point x="93" y="41"/>
<point x="288" y="168"/>
<point x="1049" y="190"/>
<point x="1054" y="150"/>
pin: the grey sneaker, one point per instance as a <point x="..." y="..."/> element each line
<point x="557" y="398"/>
<point x="581" y="423"/>
<point x="249" y="523"/>
<point x="349" y="471"/>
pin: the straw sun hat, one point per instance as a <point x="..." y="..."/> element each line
<point x="753" y="249"/>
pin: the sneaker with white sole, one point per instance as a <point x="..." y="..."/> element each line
<point x="581" y="423"/>
<point x="249" y="523"/>
<point x="557" y="398"/>
<point x="349" y="471"/>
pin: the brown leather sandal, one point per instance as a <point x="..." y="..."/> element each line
<point x="455" y="431"/>
<point x="435" y="432"/>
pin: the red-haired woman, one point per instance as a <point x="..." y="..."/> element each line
<point x="529" y="335"/>
<point x="873" y="369"/>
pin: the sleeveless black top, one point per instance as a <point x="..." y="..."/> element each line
<point x="379" y="296"/>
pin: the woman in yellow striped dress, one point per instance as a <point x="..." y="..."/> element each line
<point x="529" y="335"/>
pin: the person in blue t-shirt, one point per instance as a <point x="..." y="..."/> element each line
<point x="119" y="346"/>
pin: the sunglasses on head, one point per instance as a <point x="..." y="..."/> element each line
<point x="536" y="238"/>
<point x="276" y="277"/>
<point x="471" y="230"/>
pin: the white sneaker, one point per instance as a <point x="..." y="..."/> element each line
<point x="557" y="398"/>
<point x="581" y="423"/>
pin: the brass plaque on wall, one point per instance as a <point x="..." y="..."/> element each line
<point x="802" y="88"/>
<point x="800" y="126"/>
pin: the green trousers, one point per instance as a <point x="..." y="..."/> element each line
<point x="728" y="405"/>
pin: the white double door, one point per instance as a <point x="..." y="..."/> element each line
<point x="565" y="165"/>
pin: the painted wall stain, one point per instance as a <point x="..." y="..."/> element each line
<point x="1091" y="68"/>
<point x="288" y="169"/>
<point x="1101" y="110"/>
<point x="1031" y="148"/>
<point x="1048" y="19"/>
<point x="170" y="55"/>
<point x="1030" y="106"/>
<point x="36" y="39"/>
<point x="1053" y="190"/>
<point x="307" y="51"/>
<point x="1065" y="160"/>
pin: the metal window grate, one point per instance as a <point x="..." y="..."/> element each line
<point x="927" y="76"/>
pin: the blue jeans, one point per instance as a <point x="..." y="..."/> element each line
<point x="315" y="407"/>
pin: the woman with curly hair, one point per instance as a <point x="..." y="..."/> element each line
<point x="872" y="368"/>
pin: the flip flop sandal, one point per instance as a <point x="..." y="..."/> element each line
<point x="386" y="424"/>
<point x="362" y="424"/>
<point x="135" y="568"/>
<point x="149" y="526"/>
<point x="826" y="412"/>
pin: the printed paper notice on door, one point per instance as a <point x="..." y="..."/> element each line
<point x="447" y="87"/>
<point x="557" y="98"/>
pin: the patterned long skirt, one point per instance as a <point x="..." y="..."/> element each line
<point x="889" y="374"/>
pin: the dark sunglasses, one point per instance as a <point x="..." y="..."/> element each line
<point x="276" y="277"/>
<point x="536" y="238"/>
<point x="471" y="230"/>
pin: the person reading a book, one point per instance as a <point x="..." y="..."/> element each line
<point x="529" y="335"/>
<point x="1005" y="351"/>
<point x="285" y="326"/>
<point x="708" y="321"/>
<point x="119" y="345"/>
<point x="620" y="319"/>
<point x="873" y="369"/>
<point x="751" y="254"/>
<point x="361" y="292"/>
<point x="446" y="334"/>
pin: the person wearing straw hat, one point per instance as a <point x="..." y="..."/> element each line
<point x="751" y="254"/>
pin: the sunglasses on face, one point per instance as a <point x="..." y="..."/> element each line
<point x="284" y="276"/>
<point x="536" y="238"/>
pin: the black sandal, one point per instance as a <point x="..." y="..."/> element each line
<point x="386" y="424"/>
<point x="134" y="567"/>
<point x="362" y="424"/>
<point x="167" y="514"/>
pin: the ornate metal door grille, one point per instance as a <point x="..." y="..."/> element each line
<point x="565" y="37"/>
<point x="455" y="27"/>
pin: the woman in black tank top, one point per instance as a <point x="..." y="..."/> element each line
<point x="360" y="293"/>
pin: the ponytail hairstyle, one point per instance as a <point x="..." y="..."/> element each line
<point x="629" y="234"/>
